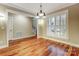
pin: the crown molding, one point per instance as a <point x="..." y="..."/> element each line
<point x="16" y="8"/>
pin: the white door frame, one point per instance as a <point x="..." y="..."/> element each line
<point x="10" y="26"/>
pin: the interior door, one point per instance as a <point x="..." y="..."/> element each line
<point x="10" y="26"/>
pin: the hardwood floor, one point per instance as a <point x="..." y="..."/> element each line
<point x="25" y="47"/>
<point x="32" y="47"/>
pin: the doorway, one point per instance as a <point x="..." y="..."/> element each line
<point x="10" y="25"/>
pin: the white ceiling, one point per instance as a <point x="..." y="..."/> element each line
<point x="33" y="8"/>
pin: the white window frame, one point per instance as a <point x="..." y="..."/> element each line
<point x="55" y="35"/>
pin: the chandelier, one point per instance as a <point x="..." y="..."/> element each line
<point x="41" y="14"/>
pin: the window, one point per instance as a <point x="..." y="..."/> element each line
<point x="63" y="25"/>
<point x="57" y="26"/>
<point x="51" y="26"/>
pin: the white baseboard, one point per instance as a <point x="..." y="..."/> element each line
<point x="71" y="44"/>
<point x="23" y="37"/>
<point x="4" y="46"/>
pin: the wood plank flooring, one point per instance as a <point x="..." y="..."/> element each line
<point x="26" y="47"/>
<point x="32" y="47"/>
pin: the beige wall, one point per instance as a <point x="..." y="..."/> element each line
<point x="73" y="22"/>
<point x="41" y="27"/>
<point x="3" y="20"/>
<point x="22" y="26"/>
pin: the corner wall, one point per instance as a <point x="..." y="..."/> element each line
<point x="73" y="25"/>
<point x="22" y="27"/>
<point x="3" y="28"/>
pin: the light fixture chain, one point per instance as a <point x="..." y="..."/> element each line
<point x="41" y="6"/>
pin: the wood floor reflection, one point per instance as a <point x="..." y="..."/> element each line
<point x="26" y="47"/>
<point x="33" y="47"/>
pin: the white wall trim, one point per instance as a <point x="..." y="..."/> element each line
<point x="18" y="12"/>
<point x="3" y="46"/>
<point x="24" y="37"/>
<point x="61" y="7"/>
<point x="71" y="44"/>
<point x="7" y="28"/>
